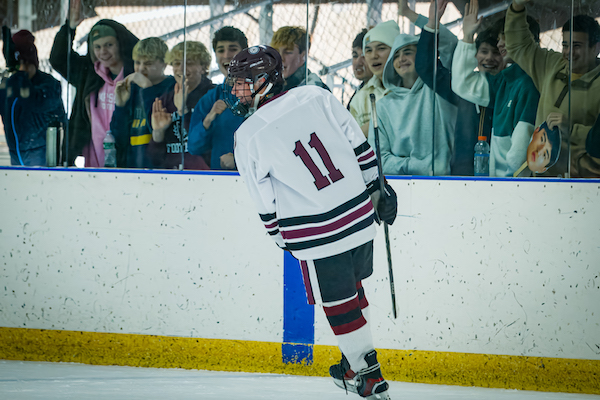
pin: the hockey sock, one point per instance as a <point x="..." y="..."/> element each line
<point x="362" y="301"/>
<point x="351" y="329"/>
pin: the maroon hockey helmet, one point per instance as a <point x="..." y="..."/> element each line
<point x="257" y="62"/>
<point x="252" y="64"/>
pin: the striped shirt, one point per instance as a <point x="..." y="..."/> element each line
<point x="310" y="171"/>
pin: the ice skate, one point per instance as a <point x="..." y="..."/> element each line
<point x="343" y="376"/>
<point x="369" y="381"/>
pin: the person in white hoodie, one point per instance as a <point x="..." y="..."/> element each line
<point x="377" y="44"/>
<point x="416" y="126"/>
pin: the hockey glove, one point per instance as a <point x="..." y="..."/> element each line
<point x="387" y="208"/>
<point x="8" y="50"/>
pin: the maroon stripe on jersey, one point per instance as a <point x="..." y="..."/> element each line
<point x="367" y="156"/>
<point x="307" y="232"/>
<point x="342" y="308"/>
<point x="271" y="226"/>
<point x="307" y="285"/>
<point x="349" y="327"/>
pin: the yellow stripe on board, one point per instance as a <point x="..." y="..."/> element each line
<point x="485" y="370"/>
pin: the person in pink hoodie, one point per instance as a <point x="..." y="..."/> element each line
<point x="94" y="75"/>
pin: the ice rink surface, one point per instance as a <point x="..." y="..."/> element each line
<point x="39" y="380"/>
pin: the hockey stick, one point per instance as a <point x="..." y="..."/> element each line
<point x="382" y="188"/>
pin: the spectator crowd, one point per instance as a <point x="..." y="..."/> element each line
<point x="436" y="96"/>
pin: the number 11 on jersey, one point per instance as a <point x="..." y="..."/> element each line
<point x="321" y="181"/>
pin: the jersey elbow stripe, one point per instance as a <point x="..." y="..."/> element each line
<point x="369" y="165"/>
<point x="363" y="148"/>
<point x="370" y="154"/>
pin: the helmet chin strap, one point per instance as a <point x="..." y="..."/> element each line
<point x="259" y="96"/>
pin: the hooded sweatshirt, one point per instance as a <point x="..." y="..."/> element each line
<point x="102" y="106"/>
<point x="406" y="128"/>
<point x="80" y="72"/>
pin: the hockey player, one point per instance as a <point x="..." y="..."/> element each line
<point x="314" y="180"/>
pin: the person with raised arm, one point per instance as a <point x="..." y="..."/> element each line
<point x="550" y="72"/>
<point x="172" y="112"/>
<point x="510" y="93"/>
<point x="134" y="96"/>
<point x="472" y="121"/>
<point x="95" y="76"/>
<point x="213" y="124"/>
<point x="411" y="142"/>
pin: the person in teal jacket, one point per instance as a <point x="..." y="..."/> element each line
<point x="213" y="124"/>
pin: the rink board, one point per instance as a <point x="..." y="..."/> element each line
<point x="492" y="276"/>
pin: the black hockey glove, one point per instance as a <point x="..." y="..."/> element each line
<point x="8" y="50"/>
<point x="387" y="208"/>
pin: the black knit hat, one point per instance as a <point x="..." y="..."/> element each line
<point x="25" y="50"/>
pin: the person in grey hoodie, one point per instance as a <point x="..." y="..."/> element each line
<point x="412" y="141"/>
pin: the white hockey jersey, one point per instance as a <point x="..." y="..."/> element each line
<point x="310" y="170"/>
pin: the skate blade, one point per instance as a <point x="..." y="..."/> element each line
<point x="349" y="385"/>
<point x="379" y="396"/>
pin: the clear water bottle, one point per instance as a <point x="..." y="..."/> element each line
<point x="110" y="151"/>
<point x="481" y="161"/>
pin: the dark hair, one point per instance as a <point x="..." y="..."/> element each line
<point x="487" y="36"/>
<point x="358" y="40"/>
<point x="555" y="139"/>
<point x="534" y="27"/>
<point x="585" y="24"/>
<point x="230" y="34"/>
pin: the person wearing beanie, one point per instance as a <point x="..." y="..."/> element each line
<point x="94" y="76"/>
<point x="376" y="47"/>
<point x="30" y="100"/>
<point x="410" y="142"/>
